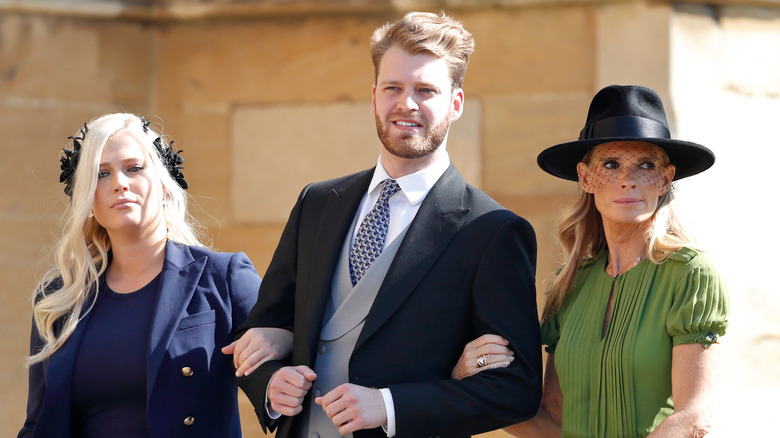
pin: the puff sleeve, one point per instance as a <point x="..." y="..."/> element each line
<point x="551" y="333"/>
<point x="699" y="312"/>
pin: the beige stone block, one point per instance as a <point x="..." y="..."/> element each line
<point x="751" y="44"/>
<point x="632" y="45"/>
<point x="16" y="284"/>
<point x="531" y="50"/>
<point x="464" y="143"/>
<point x="695" y="59"/>
<point x="517" y="128"/>
<point x="50" y="61"/>
<point x="258" y="241"/>
<point x="277" y="150"/>
<point x="33" y="198"/>
<point x="205" y="139"/>
<point x="288" y="60"/>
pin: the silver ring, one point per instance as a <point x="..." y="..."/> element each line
<point x="482" y="361"/>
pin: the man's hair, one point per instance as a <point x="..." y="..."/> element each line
<point x="422" y="32"/>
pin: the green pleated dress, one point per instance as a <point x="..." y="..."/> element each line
<point x="621" y="386"/>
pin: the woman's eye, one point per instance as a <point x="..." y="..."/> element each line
<point x="648" y="165"/>
<point x="611" y="164"/>
<point x="135" y="168"/>
<point x="102" y="174"/>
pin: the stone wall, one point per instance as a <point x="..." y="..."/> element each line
<point x="266" y="96"/>
<point x="725" y="89"/>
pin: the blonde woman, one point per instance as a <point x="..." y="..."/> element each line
<point x="633" y="318"/>
<point x="128" y="322"/>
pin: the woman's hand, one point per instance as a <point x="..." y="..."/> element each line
<point x="259" y="345"/>
<point x="484" y="353"/>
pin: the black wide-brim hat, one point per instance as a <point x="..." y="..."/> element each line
<point x="626" y="113"/>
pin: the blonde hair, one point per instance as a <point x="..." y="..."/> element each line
<point x="61" y="298"/>
<point x="423" y="32"/>
<point x="581" y="237"/>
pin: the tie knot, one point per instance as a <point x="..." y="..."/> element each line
<point x="389" y="187"/>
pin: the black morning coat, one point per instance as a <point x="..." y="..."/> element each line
<point x="465" y="268"/>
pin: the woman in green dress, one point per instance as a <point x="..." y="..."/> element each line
<point x="633" y="317"/>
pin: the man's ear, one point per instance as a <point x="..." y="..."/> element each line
<point x="584" y="176"/>
<point x="456" y="108"/>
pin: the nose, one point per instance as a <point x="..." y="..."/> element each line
<point x="628" y="178"/>
<point x="407" y="102"/>
<point x="120" y="182"/>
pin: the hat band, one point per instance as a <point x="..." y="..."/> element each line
<point x="625" y="126"/>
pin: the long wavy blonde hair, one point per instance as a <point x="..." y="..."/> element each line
<point x="581" y="237"/>
<point x="68" y="291"/>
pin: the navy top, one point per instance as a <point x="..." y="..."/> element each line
<point x="109" y="376"/>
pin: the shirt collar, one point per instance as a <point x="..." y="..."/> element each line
<point x="414" y="186"/>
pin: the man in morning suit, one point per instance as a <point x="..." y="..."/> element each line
<point x="383" y="276"/>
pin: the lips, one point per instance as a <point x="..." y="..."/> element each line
<point x="122" y="203"/>
<point x="407" y="124"/>
<point x="406" y="120"/>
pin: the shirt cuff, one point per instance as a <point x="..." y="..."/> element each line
<point x="272" y="414"/>
<point x="387" y="396"/>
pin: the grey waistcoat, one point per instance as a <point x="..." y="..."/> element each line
<point x="345" y="313"/>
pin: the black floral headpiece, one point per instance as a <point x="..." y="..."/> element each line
<point x="172" y="160"/>
<point x="70" y="158"/>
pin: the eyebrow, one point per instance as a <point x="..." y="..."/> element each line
<point x="415" y="84"/>
<point x="126" y="160"/>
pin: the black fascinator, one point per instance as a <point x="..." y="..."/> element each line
<point x="70" y="160"/>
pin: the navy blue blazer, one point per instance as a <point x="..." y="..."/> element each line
<point x="203" y="297"/>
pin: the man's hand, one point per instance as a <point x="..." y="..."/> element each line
<point x="257" y="346"/>
<point x="352" y="407"/>
<point x="288" y="387"/>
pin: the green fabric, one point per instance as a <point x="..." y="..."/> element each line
<point x="621" y="386"/>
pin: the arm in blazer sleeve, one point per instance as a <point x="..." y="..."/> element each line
<point x="275" y="307"/>
<point x="504" y="302"/>
<point x="243" y="282"/>
<point x="36" y="390"/>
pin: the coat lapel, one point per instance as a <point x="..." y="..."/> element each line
<point x="180" y="276"/>
<point x="333" y="224"/>
<point x="440" y="217"/>
<point x="59" y="380"/>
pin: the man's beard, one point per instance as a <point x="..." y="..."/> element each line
<point x="411" y="145"/>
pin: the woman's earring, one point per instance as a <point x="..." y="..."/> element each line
<point x="91" y="214"/>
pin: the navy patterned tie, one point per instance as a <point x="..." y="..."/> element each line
<point x="371" y="235"/>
